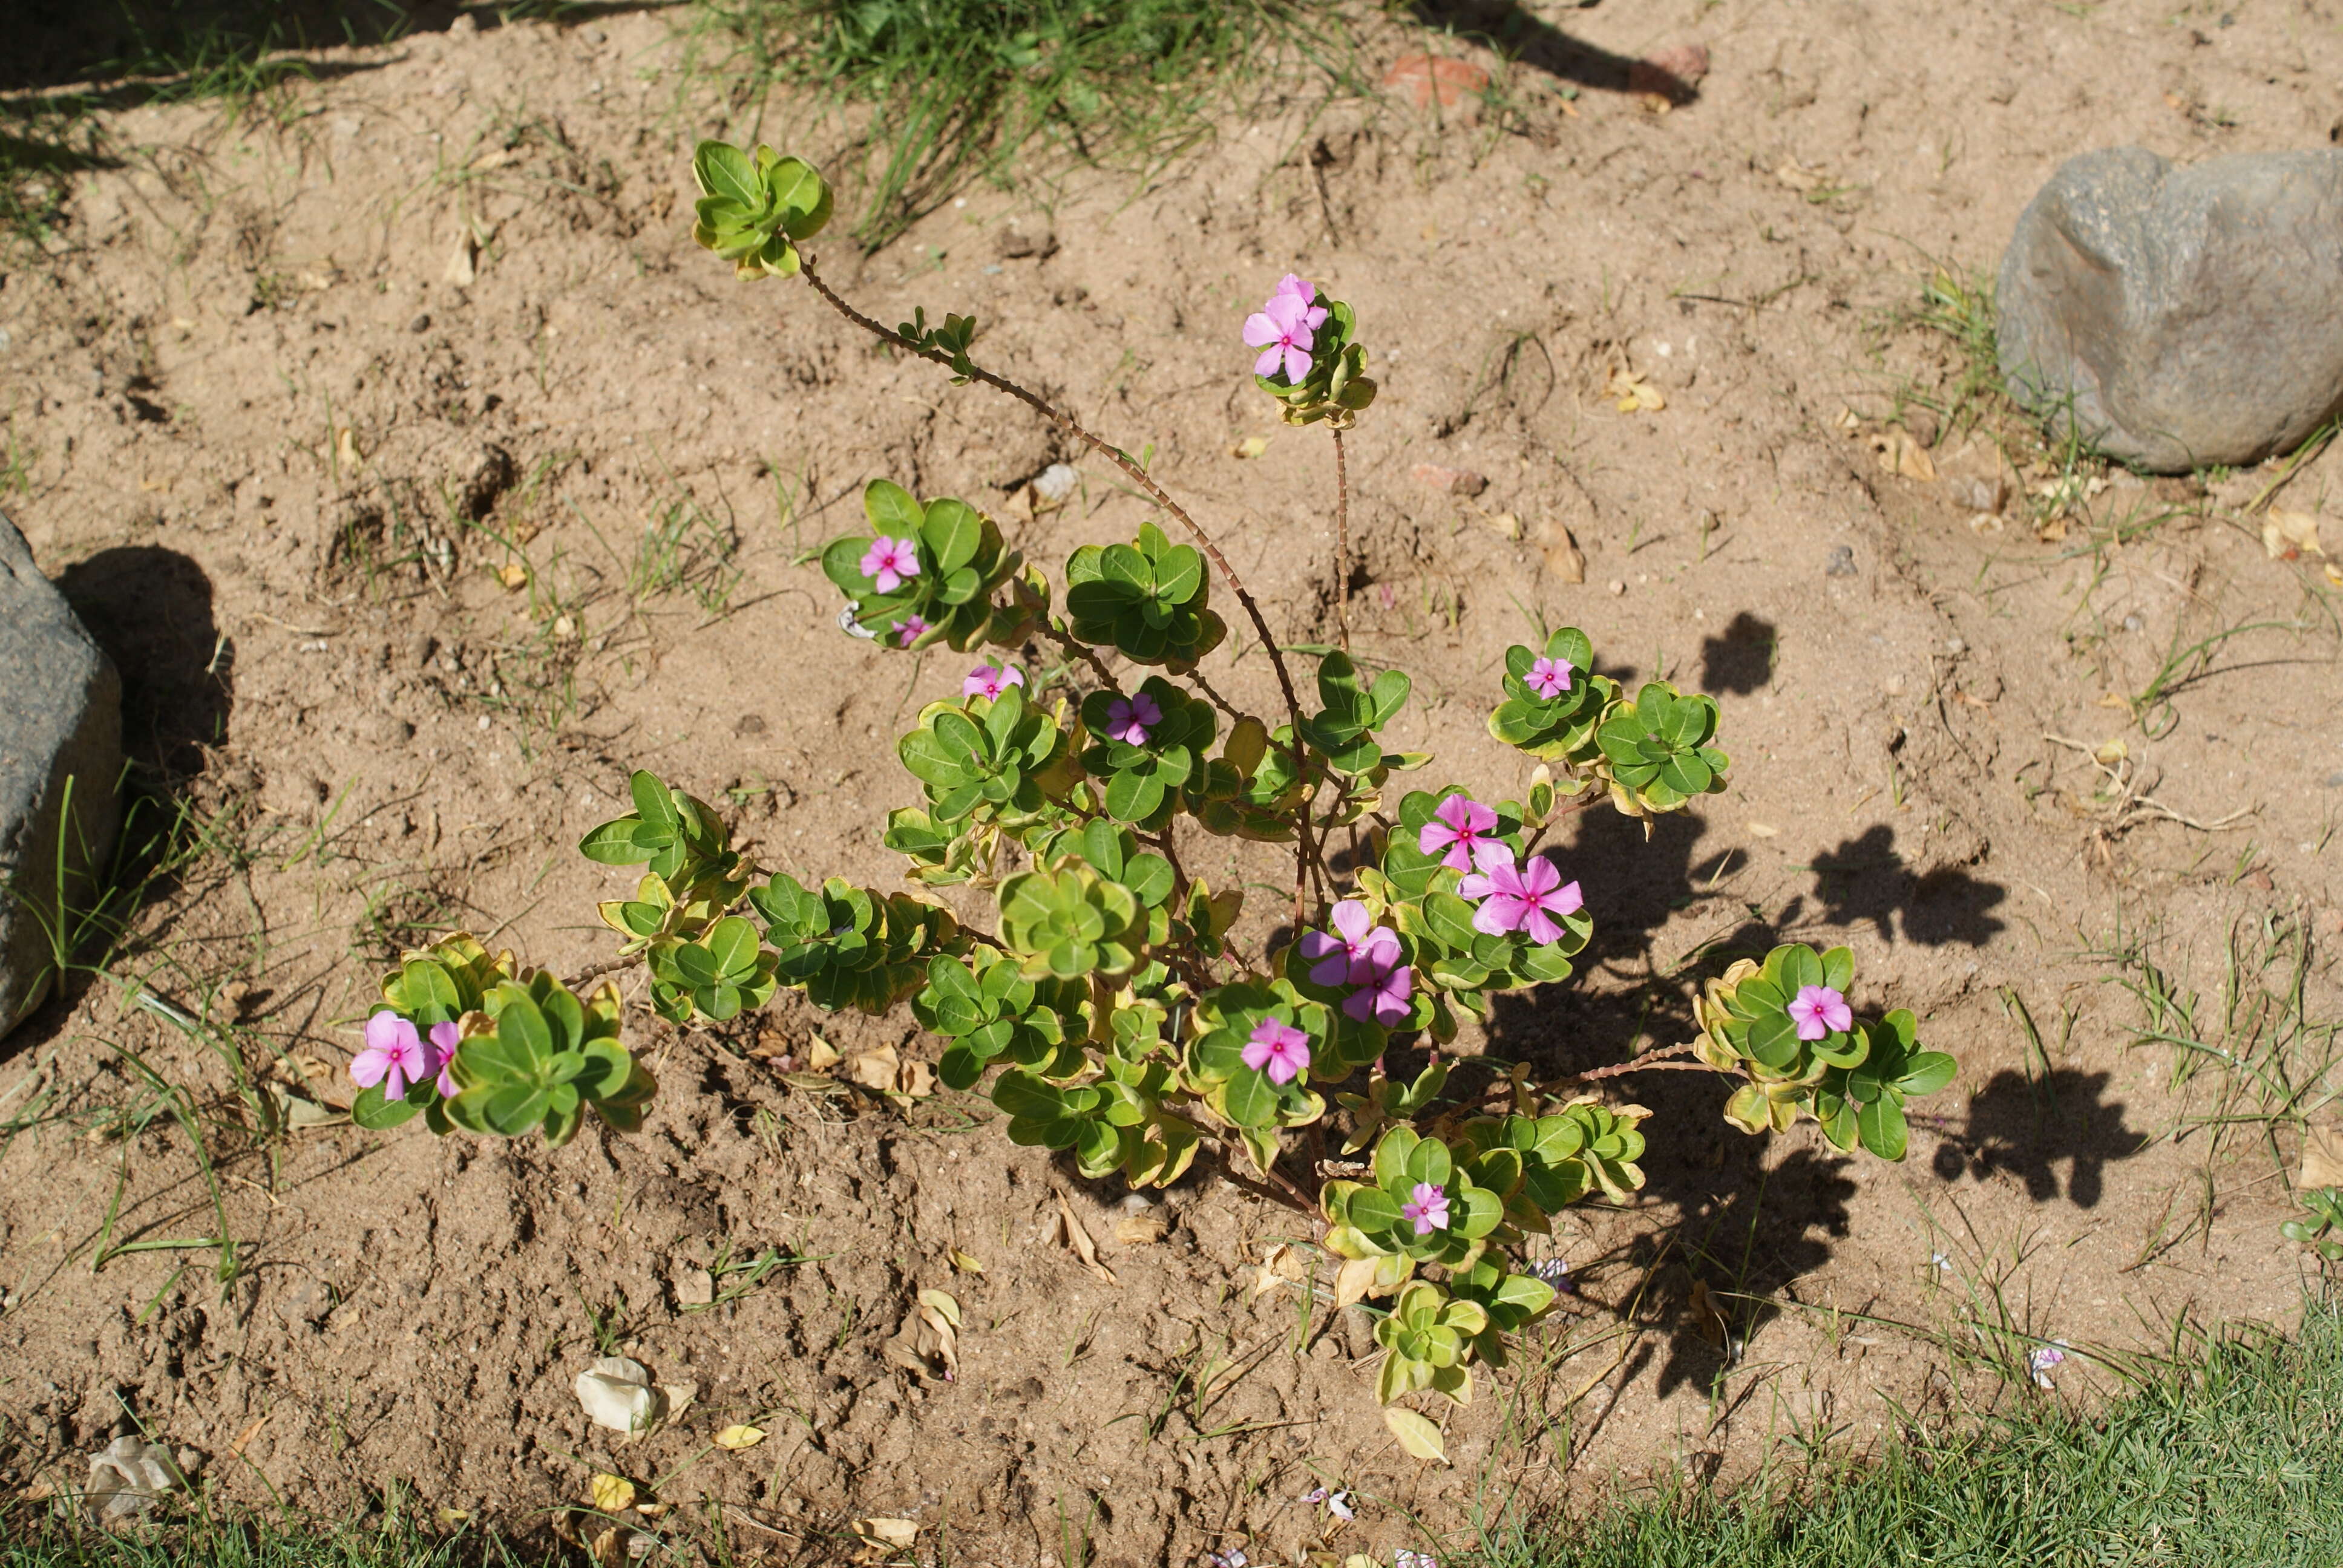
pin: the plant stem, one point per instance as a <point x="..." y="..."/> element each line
<point x="1083" y="651"/>
<point x="1342" y="546"/>
<point x="1137" y="476"/>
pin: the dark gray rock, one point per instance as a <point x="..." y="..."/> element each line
<point x="60" y="722"/>
<point x="2180" y="317"/>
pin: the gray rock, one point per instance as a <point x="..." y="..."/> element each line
<point x="2180" y="317"/>
<point x="60" y="720"/>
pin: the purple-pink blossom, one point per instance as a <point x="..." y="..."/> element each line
<point x="986" y="680"/>
<point x="442" y="1043"/>
<point x="1383" y="998"/>
<point x="1819" y="1011"/>
<point x="1278" y="1049"/>
<point x="1549" y="678"/>
<point x="1427" y="1205"/>
<point x="1355" y="951"/>
<point x="393" y="1056"/>
<point x="889" y="561"/>
<point x="1129" y="718"/>
<point x="910" y="632"/>
<point x="1466" y="829"/>
<point x="1285" y="329"/>
<point x="1528" y="896"/>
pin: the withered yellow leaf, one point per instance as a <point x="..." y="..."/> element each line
<point x="733" y="1438"/>
<point x="611" y="1494"/>
<point x="1415" y="1434"/>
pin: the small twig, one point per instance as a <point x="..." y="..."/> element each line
<point x="2131" y="805"/>
<point x="596" y="971"/>
<point x="1083" y="651"/>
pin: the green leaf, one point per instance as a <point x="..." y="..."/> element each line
<point x="724" y="170"/>
<point x="732" y="941"/>
<point x="1926" y="1072"/>
<point x="614" y="844"/>
<point x="1250" y="1099"/>
<point x="1025" y="1095"/>
<point x="1881" y="1125"/>
<point x="893" y="512"/>
<point x="375" y="1114"/>
<point x="952" y="530"/>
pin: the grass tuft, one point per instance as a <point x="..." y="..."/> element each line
<point x="959" y="89"/>
<point x="2231" y="1456"/>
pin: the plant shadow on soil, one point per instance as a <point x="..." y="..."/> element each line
<point x="1743" y="1229"/>
<point x="1511" y="30"/>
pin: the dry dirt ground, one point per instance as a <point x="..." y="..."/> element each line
<point x="279" y="452"/>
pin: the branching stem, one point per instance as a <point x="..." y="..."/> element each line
<point x="1137" y="476"/>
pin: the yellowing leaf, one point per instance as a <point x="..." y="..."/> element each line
<point x="942" y="1301"/>
<point x="1898" y="453"/>
<point x="820" y="1055"/>
<point x="1632" y="393"/>
<point x="733" y="1438"/>
<point x="965" y="1264"/>
<point x="2289" y="534"/>
<point x="446" y="1515"/>
<point x="1764" y="830"/>
<point x="513" y="575"/>
<point x="1251" y="447"/>
<point x="1416" y="1434"/>
<point x="895" y="1532"/>
<point x="611" y="1494"/>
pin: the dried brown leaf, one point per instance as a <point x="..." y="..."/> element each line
<point x="2322" y="1159"/>
<point x="1071" y="1232"/>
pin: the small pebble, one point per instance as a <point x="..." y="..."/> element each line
<point x="1841" y="563"/>
<point x="422" y="322"/>
<point x="1617" y="587"/>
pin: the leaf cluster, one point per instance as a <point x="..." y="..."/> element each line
<point x="752" y="210"/>
<point x="1337" y="389"/>
<point x="963" y="564"/>
<point x="1854" y="1082"/>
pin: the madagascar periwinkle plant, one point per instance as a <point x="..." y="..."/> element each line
<point x="1104" y="1008"/>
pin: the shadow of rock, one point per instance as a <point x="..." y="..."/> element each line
<point x="2027" y="1126"/>
<point x="1740" y="659"/>
<point x="151" y="611"/>
<point x="1513" y="31"/>
<point x="130" y="51"/>
<point x="1865" y="879"/>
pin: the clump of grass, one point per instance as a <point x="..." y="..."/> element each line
<point x="687" y="549"/>
<point x="2230" y="1455"/>
<point x="959" y="89"/>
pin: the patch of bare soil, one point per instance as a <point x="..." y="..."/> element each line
<point x="294" y="394"/>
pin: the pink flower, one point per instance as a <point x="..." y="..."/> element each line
<point x="984" y="680"/>
<point x="1428" y="1207"/>
<point x="1820" y="1010"/>
<point x="442" y="1042"/>
<point x="1277" y="1048"/>
<point x="1130" y="718"/>
<point x="1464" y="828"/>
<point x="1549" y="678"/>
<point x="1359" y="951"/>
<point x="1384" y="999"/>
<point x="393" y="1056"/>
<point x="889" y="561"/>
<point x="1526" y="896"/>
<point x="910" y="632"/>
<point x="1284" y="330"/>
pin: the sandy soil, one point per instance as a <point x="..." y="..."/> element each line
<point x="279" y="453"/>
